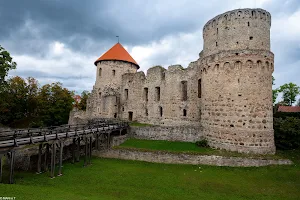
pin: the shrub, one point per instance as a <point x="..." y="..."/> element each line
<point x="287" y="132"/>
<point x="202" y="143"/>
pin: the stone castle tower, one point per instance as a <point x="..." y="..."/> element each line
<point x="226" y="93"/>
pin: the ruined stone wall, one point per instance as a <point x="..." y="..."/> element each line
<point x="237" y="91"/>
<point x="165" y="97"/>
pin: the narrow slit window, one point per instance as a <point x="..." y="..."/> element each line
<point x="157" y="93"/>
<point x="146" y="94"/>
<point x="114" y="72"/>
<point x="199" y="88"/>
<point x="160" y="111"/>
<point x="126" y="94"/>
<point x="100" y="71"/>
<point x="146" y="112"/>
<point x="184" y="112"/>
<point x="183" y="90"/>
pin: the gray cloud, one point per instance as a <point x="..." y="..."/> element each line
<point x="29" y="29"/>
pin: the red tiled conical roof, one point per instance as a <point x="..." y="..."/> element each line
<point x="117" y="52"/>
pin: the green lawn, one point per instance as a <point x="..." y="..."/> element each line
<point x="121" y="179"/>
<point x="163" y="145"/>
<point x="183" y="147"/>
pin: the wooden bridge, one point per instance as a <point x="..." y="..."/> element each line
<point x="51" y="138"/>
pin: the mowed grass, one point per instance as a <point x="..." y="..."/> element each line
<point x="121" y="179"/>
<point x="164" y="145"/>
<point x="184" y="147"/>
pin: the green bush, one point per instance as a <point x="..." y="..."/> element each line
<point x="287" y="133"/>
<point x="202" y="143"/>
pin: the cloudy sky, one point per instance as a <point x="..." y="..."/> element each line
<point x="58" y="40"/>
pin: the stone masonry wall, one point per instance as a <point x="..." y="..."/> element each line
<point x="171" y="133"/>
<point x="184" y="158"/>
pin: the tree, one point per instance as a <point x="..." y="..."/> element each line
<point x="290" y="91"/>
<point x="6" y="64"/>
<point x="13" y="104"/>
<point x="54" y="104"/>
<point x="275" y="92"/>
<point x="84" y="97"/>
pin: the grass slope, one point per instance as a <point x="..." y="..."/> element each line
<point x="184" y="147"/>
<point x="120" y="179"/>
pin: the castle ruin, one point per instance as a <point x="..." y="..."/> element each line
<point x="226" y="94"/>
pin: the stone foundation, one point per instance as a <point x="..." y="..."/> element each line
<point x="183" y="158"/>
<point x="170" y="133"/>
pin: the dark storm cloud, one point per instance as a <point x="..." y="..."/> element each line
<point x="86" y="25"/>
<point x="29" y="28"/>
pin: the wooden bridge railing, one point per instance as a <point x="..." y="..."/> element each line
<point x="51" y="137"/>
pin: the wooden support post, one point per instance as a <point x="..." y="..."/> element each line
<point x="39" y="163"/>
<point x="86" y="151"/>
<point x="61" y="147"/>
<point x="78" y="150"/>
<point x="91" y="149"/>
<point x="53" y="159"/>
<point x="46" y="168"/>
<point x="1" y="169"/>
<point x="97" y="141"/>
<point x="73" y="150"/>
<point x="12" y="165"/>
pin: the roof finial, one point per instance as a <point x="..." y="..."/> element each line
<point x="118" y="38"/>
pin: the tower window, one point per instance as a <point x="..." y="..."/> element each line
<point x="114" y="72"/>
<point x="126" y="94"/>
<point x="248" y="23"/>
<point x="146" y="112"/>
<point x="100" y="71"/>
<point x="216" y="44"/>
<point x="251" y="38"/>
<point x="183" y="90"/>
<point x="199" y="88"/>
<point x="184" y="112"/>
<point x="157" y="93"/>
<point x="99" y="94"/>
<point x="146" y="94"/>
<point x="160" y="111"/>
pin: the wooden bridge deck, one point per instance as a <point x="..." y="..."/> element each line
<point x="51" y="137"/>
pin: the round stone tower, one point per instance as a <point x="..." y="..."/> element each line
<point x="111" y="66"/>
<point x="236" y="75"/>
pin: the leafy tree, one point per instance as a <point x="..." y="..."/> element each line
<point x="13" y="105"/>
<point x="54" y="104"/>
<point x="6" y="64"/>
<point x="275" y="92"/>
<point x="290" y="91"/>
<point x="287" y="132"/>
<point x="84" y="97"/>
